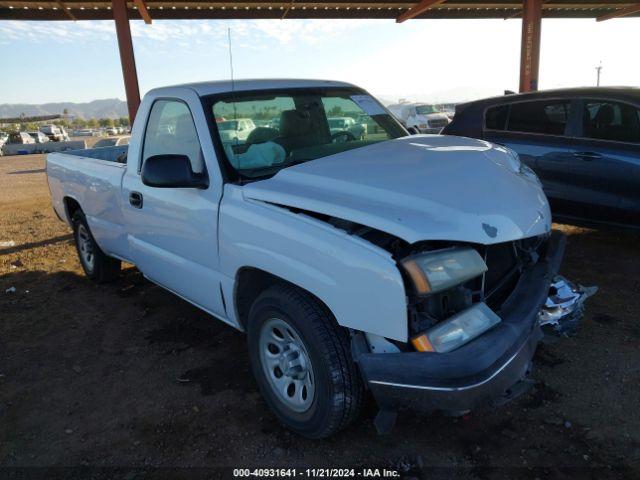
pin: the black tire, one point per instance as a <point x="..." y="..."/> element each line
<point x="339" y="391"/>
<point x="102" y="268"/>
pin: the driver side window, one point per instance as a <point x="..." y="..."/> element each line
<point x="171" y="130"/>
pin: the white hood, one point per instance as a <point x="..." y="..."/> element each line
<point x="424" y="187"/>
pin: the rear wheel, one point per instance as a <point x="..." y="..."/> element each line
<point x="98" y="266"/>
<point x="302" y="362"/>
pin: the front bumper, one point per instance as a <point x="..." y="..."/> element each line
<point x="486" y="370"/>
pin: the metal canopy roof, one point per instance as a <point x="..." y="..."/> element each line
<point x="248" y="9"/>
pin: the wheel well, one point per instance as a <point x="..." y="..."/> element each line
<point x="250" y="283"/>
<point x="71" y="206"/>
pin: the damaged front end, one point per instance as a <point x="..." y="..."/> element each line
<point x="490" y="361"/>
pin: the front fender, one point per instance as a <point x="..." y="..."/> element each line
<point x="359" y="282"/>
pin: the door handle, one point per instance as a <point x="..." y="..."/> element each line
<point x="587" y="156"/>
<point x="135" y="199"/>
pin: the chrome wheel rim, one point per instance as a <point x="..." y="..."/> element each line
<point x="287" y="365"/>
<point x="85" y="245"/>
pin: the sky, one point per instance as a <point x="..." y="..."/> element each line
<point x="433" y="60"/>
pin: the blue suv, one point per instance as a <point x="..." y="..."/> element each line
<point x="584" y="144"/>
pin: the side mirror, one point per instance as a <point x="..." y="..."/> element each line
<point x="172" y="171"/>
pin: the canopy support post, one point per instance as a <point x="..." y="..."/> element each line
<point x="125" y="45"/>
<point x="530" y="47"/>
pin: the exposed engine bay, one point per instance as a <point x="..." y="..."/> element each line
<point x="505" y="264"/>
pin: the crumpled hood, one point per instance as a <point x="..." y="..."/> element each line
<point x="423" y="187"/>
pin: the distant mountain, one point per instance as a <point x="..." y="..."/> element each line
<point x="107" y="108"/>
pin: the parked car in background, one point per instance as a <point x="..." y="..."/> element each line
<point x="20" y="138"/>
<point x="414" y="265"/>
<point x="55" y="133"/>
<point x="583" y="143"/>
<point x="237" y="130"/>
<point x="111" y="131"/>
<point x="422" y="117"/>
<point x="367" y="121"/>
<point x="274" y="123"/>
<point x="86" y="132"/>
<point x="450" y="114"/>
<point x="347" y="126"/>
<point x="39" y="137"/>
<point x="112" y="142"/>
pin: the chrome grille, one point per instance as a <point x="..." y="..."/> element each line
<point x="438" y="123"/>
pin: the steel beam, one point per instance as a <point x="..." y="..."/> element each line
<point x="127" y="58"/>
<point x="66" y="11"/>
<point x="530" y="46"/>
<point x="142" y="9"/>
<point x="416" y="10"/>
<point x="621" y="12"/>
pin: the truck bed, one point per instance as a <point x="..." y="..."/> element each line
<point x="108" y="154"/>
<point x="93" y="179"/>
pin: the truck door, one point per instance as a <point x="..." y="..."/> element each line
<point x="173" y="237"/>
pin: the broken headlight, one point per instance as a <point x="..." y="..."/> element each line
<point x="457" y="330"/>
<point x="439" y="270"/>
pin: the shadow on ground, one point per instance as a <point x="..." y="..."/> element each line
<point x="127" y="374"/>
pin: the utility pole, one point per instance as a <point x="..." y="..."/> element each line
<point x="598" y="70"/>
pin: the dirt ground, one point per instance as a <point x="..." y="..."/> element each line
<point x="128" y="375"/>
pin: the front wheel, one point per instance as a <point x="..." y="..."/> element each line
<point x="97" y="265"/>
<point x="302" y="362"/>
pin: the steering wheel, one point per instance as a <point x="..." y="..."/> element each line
<point x="342" y="137"/>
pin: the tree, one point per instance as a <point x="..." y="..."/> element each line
<point x="92" y="123"/>
<point x="78" y="123"/>
<point x="336" y="111"/>
<point x="28" y="127"/>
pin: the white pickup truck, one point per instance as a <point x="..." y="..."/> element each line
<point x="414" y="267"/>
<point x="421" y="117"/>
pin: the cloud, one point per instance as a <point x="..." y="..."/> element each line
<point x="55" y="32"/>
<point x="248" y="33"/>
<point x="310" y="32"/>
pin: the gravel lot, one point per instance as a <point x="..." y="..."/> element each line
<point x="128" y="375"/>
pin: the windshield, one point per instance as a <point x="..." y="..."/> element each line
<point x="287" y="127"/>
<point x="425" y="109"/>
